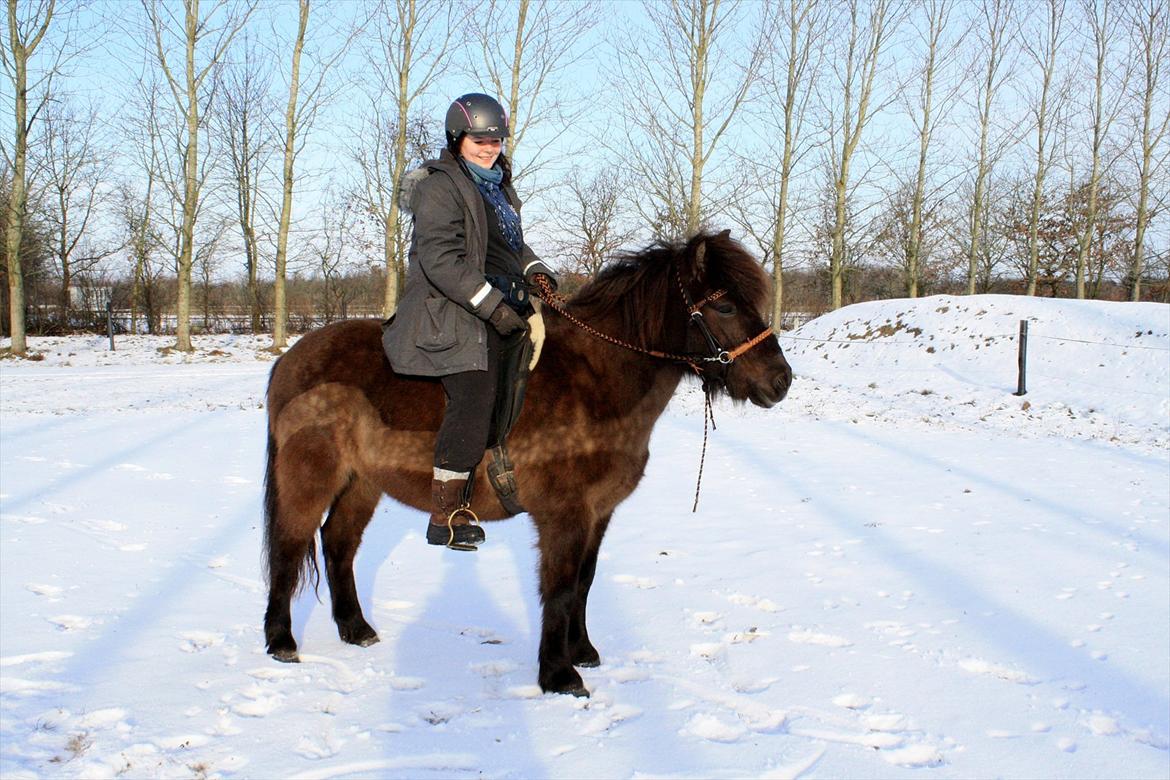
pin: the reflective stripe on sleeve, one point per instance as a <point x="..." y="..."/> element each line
<point x="480" y="294"/>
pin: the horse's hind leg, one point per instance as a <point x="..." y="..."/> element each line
<point x="304" y="477"/>
<point x="340" y="537"/>
<point x="581" y="650"/>
<point x="561" y="547"/>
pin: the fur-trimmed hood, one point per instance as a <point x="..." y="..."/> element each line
<point x="408" y="185"/>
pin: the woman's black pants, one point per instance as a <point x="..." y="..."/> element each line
<point x="467" y="421"/>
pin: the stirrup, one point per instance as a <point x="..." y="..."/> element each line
<point x="473" y="534"/>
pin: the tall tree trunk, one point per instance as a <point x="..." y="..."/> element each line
<point x="280" y="316"/>
<point x="996" y="14"/>
<point x="937" y="15"/>
<point x="1102" y="28"/>
<point x="190" y="188"/>
<point x="864" y="72"/>
<point x="391" y="240"/>
<point x="1047" y="62"/>
<point x="1151" y="27"/>
<point x="18" y="202"/>
<point x="514" y="92"/>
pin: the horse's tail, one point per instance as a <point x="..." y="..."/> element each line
<point x="270" y="507"/>
<point x="307" y="567"/>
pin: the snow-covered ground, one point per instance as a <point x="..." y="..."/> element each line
<point x="902" y="570"/>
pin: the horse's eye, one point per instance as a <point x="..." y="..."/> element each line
<point x="725" y="308"/>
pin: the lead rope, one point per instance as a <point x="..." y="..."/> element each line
<point x="708" y="414"/>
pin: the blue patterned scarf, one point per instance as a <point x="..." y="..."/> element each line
<point x="488" y="182"/>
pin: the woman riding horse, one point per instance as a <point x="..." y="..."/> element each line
<point x="469" y="269"/>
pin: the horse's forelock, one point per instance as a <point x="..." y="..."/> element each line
<point x="727" y="264"/>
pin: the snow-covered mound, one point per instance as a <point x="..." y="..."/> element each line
<point x="1094" y="368"/>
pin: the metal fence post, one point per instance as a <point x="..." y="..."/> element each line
<point x="110" y="322"/>
<point x="1021" y="386"/>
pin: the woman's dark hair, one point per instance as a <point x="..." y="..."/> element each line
<point x="503" y="161"/>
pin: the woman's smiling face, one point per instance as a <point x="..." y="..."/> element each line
<point x="481" y="150"/>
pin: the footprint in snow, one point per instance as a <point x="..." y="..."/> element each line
<point x="438" y="713"/>
<point x="808" y="637"/>
<point x="103" y="525"/>
<point x="198" y="641"/>
<point x="713" y="729"/>
<point x="643" y="583"/>
<point x="762" y="604"/>
<point x="852" y="701"/>
<point x="980" y="666"/>
<point x="52" y="591"/>
<point x="24" y="519"/>
<point x="72" y="622"/>
<point x="107" y="718"/>
<point x="705" y="619"/>
<point x="258" y="704"/>
<point x="323" y="746"/>
<point x="606" y="717"/>
<point x="494" y="668"/>
<point x="48" y="656"/>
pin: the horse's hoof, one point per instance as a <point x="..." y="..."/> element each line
<point x="286" y="656"/>
<point x="587" y="659"/>
<point x="361" y="634"/>
<point x="565" y="681"/>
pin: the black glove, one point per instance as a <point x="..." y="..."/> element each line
<point x="505" y="320"/>
<point x="532" y="277"/>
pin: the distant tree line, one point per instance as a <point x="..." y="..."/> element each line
<point x="862" y="148"/>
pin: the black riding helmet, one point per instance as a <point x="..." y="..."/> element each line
<point x="476" y="114"/>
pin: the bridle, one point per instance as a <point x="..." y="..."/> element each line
<point x="717" y="353"/>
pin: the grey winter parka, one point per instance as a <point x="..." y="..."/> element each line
<point x="440" y="325"/>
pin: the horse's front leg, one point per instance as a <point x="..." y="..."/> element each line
<point x="562" y="548"/>
<point x="581" y="650"/>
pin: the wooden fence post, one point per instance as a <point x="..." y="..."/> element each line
<point x="1021" y="385"/>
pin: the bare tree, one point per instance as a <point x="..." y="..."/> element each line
<point x="992" y="38"/>
<point x="1102" y="18"/>
<point x="411" y="52"/>
<point x="291" y="116"/>
<point x="525" y="47"/>
<point x="375" y="156"/>
<point x="244" y="108"/>
<point x="938" y="53"/>
<point x="800" y="26"/>
<point x="25" y="35"/>
<point x="75" y="171"/>
<point x="592" y="220"/>
<point x="1043" y="50"/>
<point x="216" y="28"/>
<point x="1149" y="26"/>
<point x="331" y="251"/>
<point x="870" y="26"/>
<point x="681" y="93"/>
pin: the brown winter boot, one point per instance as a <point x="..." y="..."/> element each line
<point x="452" y="522"/>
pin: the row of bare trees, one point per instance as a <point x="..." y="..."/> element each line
<point x="950" y="144"/>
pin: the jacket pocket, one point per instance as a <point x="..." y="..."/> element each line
<point x="438" y="329"/>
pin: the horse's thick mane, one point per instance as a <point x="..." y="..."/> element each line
<point x="642" y="286"/>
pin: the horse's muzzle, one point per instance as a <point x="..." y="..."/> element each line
<point x="768" y="394"/>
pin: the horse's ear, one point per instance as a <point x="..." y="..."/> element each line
<point x="724" y="234"/>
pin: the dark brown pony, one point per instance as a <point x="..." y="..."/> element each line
<point x="343" y="429"/>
